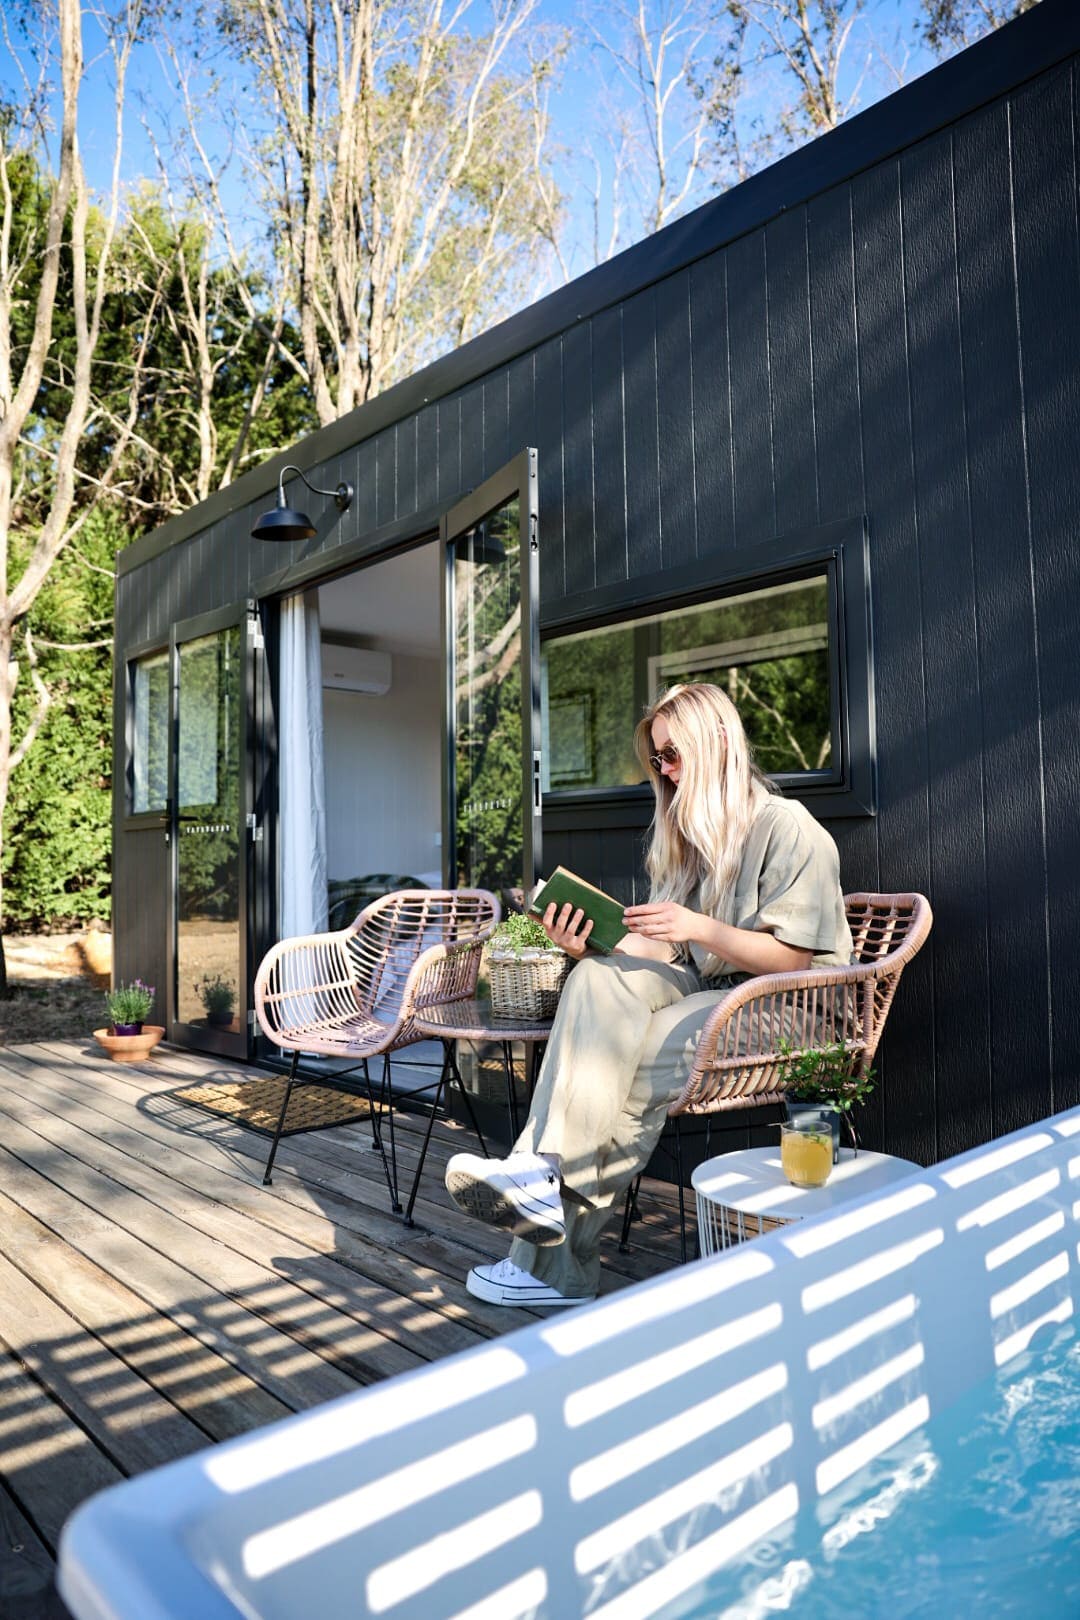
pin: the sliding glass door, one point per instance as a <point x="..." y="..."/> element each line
<point x="210" y="771"/>
<point x="492" y="778"/>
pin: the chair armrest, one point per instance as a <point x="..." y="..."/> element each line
<point x="303" y="983"/>
<point x="444" y="973"/>
<point x="738" y="1053"/>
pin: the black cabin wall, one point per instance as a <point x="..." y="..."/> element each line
<point x="905" y="345"/>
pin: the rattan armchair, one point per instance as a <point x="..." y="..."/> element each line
<point x="739" y="1062"/>
<point x="352" y="994"/>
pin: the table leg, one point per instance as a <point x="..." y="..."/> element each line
<point x="511" y="1099"/>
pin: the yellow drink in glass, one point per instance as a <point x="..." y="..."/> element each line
<point x="805" y="1155"/>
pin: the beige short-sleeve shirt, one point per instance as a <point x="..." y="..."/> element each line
<point x="789" y="886"/>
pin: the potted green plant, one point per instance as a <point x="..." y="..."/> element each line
<point x="128" y="1037"/>
<point x="128" y="1006"/>
<point x="822" y="1080"/>
<point x="525" y="969"/>
<point x="218" y="998"/>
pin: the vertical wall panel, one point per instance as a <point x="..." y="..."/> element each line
<point x="714" y="456"/>
<point x="472" y="437"/>
<point x="496" y="422"/>
<point x="1048" y="294"/>
<point x="365" y="477"/>
<point x="1008" y="675"/>
<point x="550" y="442"/>
<point x="427" y="458"/>
<point x="954" y="725"/>
<point x="644" y="554"/>
<point x="608" y="447"/>
<point x="521" y="430"/>
<point x="751" y="405"/>
<point x="837" y="420"/>
<point x="406" y="467"/>
<point x="791" y="373"/>
<point x="674" y="404"/>
<point x="904" y="828"/>
<point x="386" y="476"/>
<point x="579" y="570"/>
<point x="449" y="449"/>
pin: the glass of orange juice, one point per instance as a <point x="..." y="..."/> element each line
<point x="806" y="1153"/>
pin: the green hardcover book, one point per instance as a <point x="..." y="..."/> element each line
<point x="605" y="911"/>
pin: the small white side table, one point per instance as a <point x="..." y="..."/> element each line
<point x="742" y="1195"/>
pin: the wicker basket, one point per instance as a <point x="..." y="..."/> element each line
<point x="526" y="986"/>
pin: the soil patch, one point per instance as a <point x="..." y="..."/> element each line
<point x="57" y="984"/>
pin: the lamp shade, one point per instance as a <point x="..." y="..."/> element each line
<point x="284" y="523"/>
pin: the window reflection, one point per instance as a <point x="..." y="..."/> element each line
<point x="208" y="829"/>
<point x="769" y="649"/>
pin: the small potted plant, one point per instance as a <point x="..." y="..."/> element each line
<point x="822" y="1081"/>
<point x="526" y="970"/>
<point x="128" y="1037"/>
<point x="218" y="998"/>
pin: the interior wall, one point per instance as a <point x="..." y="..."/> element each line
<point x="383" y="806"/>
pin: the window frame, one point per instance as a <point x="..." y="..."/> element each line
<point x="838" y="550"/>
<point x="133" y="657"/>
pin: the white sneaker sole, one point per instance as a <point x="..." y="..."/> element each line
<point x="531" y="1294"/>
<point x="510" y="1210"/>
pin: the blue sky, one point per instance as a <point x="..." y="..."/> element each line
<point x="577" y="123"/>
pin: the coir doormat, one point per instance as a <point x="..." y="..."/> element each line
<point x="257" y="1104"/>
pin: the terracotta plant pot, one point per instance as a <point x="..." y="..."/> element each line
<point x="130" y="1048"/>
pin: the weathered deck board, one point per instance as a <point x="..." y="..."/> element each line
<point x="155" y="1296"/>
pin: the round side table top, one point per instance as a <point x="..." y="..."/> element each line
<point x="752" y="1182"/>
<point x="475" y="1021"/>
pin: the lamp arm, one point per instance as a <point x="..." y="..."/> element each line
<point x="342" y="493"/>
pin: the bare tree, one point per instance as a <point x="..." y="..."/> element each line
<point x="33" y="255"/>
<point x="807" y="40"/>
<point x="396" y="156"/>
<point x="950" y="25"/>
<point x="657" y="118"/>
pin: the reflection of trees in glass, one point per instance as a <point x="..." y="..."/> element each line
<point x="208" y="773"/>
<point x="151" y="740"/>
<point x="487" y="658"/>
<point x="767" y="648"/>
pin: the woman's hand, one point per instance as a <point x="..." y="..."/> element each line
<point x="664" y="922"/>
<point x="568" y="929"/>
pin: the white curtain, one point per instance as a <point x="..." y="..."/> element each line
<point x="302" y="886"/>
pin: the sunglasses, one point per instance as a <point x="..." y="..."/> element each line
<point x="668" y="755"/>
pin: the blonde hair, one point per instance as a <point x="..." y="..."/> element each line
<point x="699" y="828"/>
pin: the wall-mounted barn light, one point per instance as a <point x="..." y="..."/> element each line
<point x="285" y="522"/>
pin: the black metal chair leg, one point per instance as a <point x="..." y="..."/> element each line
<point x="281" y="1119"/>
<point x="388" y="1092"/>
<point x="443" y="1080"/>
<point x="682" y="1193"/>
<point x="375" y="1111"/>
<point x="511" y="1098"/>
<point x="630" y="1211"/>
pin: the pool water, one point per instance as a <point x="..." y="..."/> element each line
<point x="977" y="1513"/>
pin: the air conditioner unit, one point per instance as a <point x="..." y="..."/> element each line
<point x="355" y="669"/>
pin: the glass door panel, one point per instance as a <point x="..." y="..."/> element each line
<point x="493" y="721"/>
<point x="209" y="980"/>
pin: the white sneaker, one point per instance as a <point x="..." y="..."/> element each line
<point x="520" y="1194"/>
<point x="506" y="1284"/>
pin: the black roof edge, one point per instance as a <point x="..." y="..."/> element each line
<point x="1001" y="62"/>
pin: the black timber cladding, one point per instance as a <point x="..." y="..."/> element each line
<point x="886" y="323"/>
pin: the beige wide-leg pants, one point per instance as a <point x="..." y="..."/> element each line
<point x="621" y="1048"/>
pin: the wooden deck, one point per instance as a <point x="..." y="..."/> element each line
<point x="155" y="1297"/>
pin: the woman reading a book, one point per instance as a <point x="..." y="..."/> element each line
<point x="742" y="882"/>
